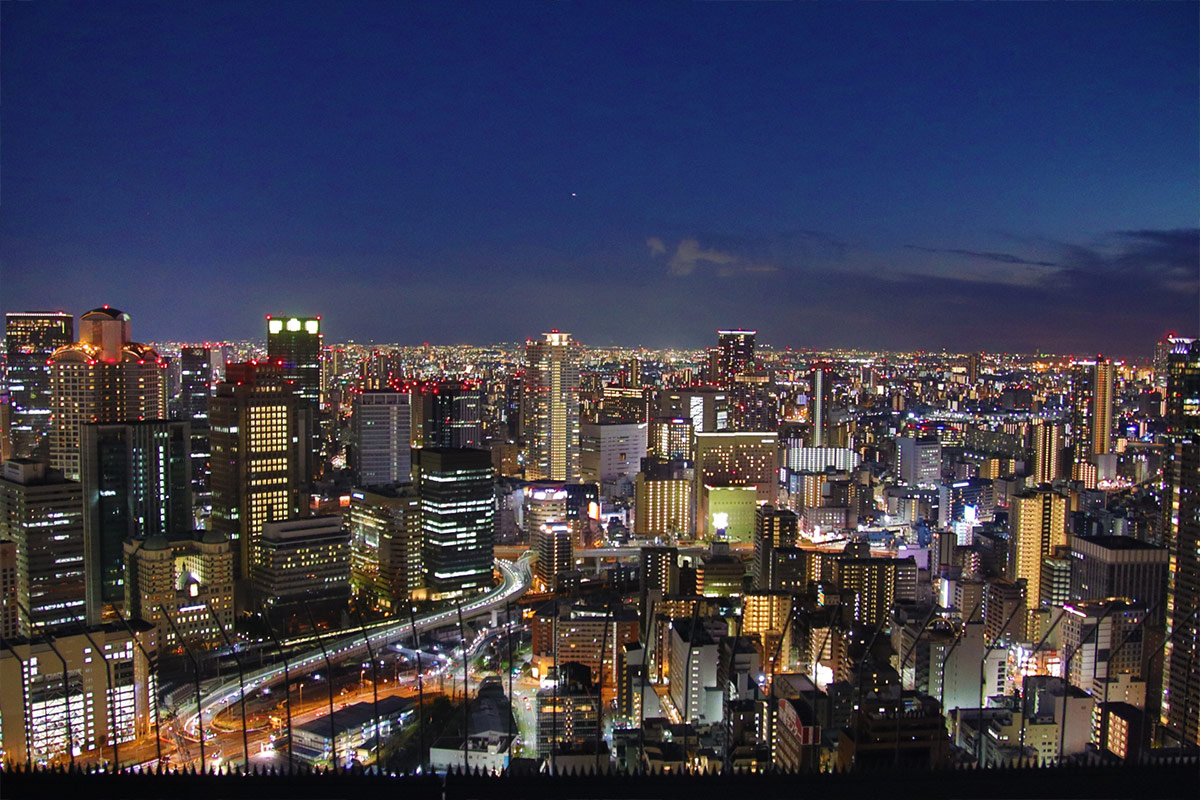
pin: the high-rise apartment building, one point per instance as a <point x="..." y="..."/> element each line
<point x="660" y="570"/>
<point x="820" y="380"/>
<point x="552" y="544"/>
<point x="1047" y="452"/>
<point x="1091" y="417"/>
<point x="382" y="434"/>
<point x="136" y="484"/>
<point x="1038" y="523"/>
<point x="664" y="500"/>
<point x="42" y="513"/>
<point x="104" y="377"/>
<point x="258" y="450"/>
<point x="739" y="459"/>
<point x="735" y="355"/>
<point x="30" y="338"/>
<point x="457" y="519"/>
<point x="551" y="408"/>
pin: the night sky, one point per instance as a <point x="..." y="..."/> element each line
<point x="967" y="176"/>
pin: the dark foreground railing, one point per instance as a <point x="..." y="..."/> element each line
<point x="1177" y="777"/>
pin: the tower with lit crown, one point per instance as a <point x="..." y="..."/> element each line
<point x="103" y="377"/>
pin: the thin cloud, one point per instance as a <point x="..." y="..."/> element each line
<point x="1001" y="258"/>
<point x="1168" y="259"/>
<point x="690" y="255"/>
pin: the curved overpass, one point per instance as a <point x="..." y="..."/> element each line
<point x="342" y="645"/>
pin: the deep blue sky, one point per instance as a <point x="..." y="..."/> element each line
<point x="996" y="176"/>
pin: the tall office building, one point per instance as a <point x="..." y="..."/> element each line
<point x="382" y="434"/>
<point x="1119" y="566"/>
<point x="706" y="407"/>
<point x="447" y="413"/>
<point x="1091" y="415"/>
<point x="385" y="541"/>
<point x="551" y="408"/>
<point x="136" y="484"/>
<point x="302" y="560"/>
<point x="195" y="390"/>
<point x="258" y="451"/>
<point x="920" y="459"/>
<point x="30" y="338"/>
<point x="611" y="454"/>
<point x="1180" y="714"/>
<point x="819" y="383"/>
<point x="1038" y="522"/>
<point x="457" y="519"/>
<point x="104" y="377"/>
<point x="294" y="345"/>
<point x="79" y="705"/>
<point x="42" y="513"/>
<point x="735" y="355"/>
<point x="1047" y="452"/>
<point x="1182" y="397"/>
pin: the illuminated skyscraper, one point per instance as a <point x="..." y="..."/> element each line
<point x="195" y="389"/>
<point x="136" y="484"/>
<point x="663" y="499"/>
<point x="1047" y="452"/>
<point x="447" y="413"/>
<point x="258" y="452"/>
<point x="1091" y="415"/>
<point x="43" y="514"/>
<point x="551" y="408"/>
<point x="670" y="438"/>
<point x="104" y="377"/>
<point x="1181" y="536"/>
<point x="773" y="528"/>
<point x="735" y="355"/>
<point x="552" y="543"/>
<point x="30" y="339"/>
<point x="382" y="438"/>
<point x="819" y="380"/>
<point x="1038" y="521"/>
<point x="457" y="519"/>
<point x="294" y="345"/>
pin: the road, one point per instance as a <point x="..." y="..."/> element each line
<point x="342" y="646"/>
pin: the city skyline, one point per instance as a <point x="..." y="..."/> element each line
<point x="1000" y="178"/>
